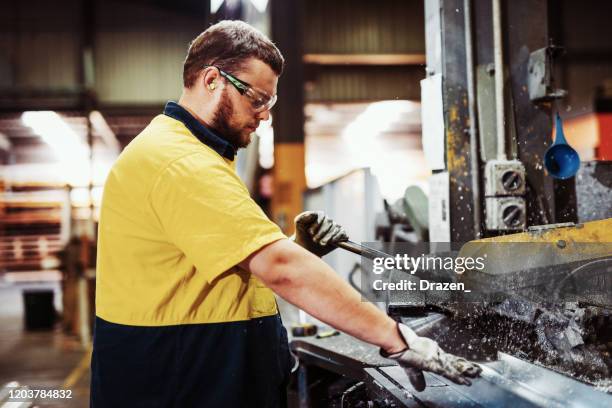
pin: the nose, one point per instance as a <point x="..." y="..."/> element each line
<point x="263" y="116"/>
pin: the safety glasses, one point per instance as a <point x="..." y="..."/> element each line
<point x="260" y="100"/>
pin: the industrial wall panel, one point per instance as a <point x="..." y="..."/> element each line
<point x="40" y="15"/>
<point x="364" y="26"/>
<point x="139" y="51"/>
<point x="141" y="15"/>
<point x="7" y="53"/>
<point x="586" y="25"/>
<point x="47" y="60"/>
<point x="39" y="44"/>
<point x="140" y="67"/>
<point x="359" y="84"/>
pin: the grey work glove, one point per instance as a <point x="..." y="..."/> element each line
<point x="424" y="354"/>
<point x="317" y="233"/>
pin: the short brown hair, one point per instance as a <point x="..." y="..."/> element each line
<point x="227" y="45"/>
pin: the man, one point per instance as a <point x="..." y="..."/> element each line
<point x="188" y="263"/>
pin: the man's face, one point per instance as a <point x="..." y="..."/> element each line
<point x="234" y="116"/>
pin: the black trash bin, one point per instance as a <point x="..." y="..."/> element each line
<point x="39" y="309"/>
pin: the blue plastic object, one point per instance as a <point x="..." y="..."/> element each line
<point x="560" y="160"/>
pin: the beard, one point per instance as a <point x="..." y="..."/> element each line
<point x="221" y="123"/>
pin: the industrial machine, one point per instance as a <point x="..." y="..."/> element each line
<point x="539" y="318"/>
<point x="535" y="349"/>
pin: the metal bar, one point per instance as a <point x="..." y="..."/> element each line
<point x="471" y="92"/>
<point x="499" y="80"/>
<point x="364" y="59"/>
<point x="361" y="250"/>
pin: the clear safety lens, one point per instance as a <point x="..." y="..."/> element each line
<point x="261" y="101"/>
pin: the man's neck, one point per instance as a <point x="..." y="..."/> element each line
<point x="191" y="106"/>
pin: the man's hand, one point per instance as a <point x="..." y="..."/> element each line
<point x="424" y="354"/>
<point x="316" y="232"/>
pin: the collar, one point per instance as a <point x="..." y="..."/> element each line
<point x="204" y="134"/>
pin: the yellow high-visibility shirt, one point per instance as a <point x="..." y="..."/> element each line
<point x="175" y="221"/>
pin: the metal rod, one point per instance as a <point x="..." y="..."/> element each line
<point x="361" y="250"/>
<point x="474" y="162"/>
<point x="499" y="80"/>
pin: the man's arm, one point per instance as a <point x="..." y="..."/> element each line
<point x="304" y="280"/>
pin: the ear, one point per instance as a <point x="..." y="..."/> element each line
<point x="210" y="78"/>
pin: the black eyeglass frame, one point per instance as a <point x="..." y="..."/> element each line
<point x="260" y="100"/>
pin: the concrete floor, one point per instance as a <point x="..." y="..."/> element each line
<point x="40" y="359"/>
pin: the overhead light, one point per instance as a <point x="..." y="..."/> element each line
<point x="260" y="5"/>
<point x="68" y="147"/>
<point x="214" y="5"/>
<point x="377" y="118"/>
<point x="393" y="167"/>
<point x="56" y="133"/>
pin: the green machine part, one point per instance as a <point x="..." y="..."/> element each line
<point x="416" y="208"/>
